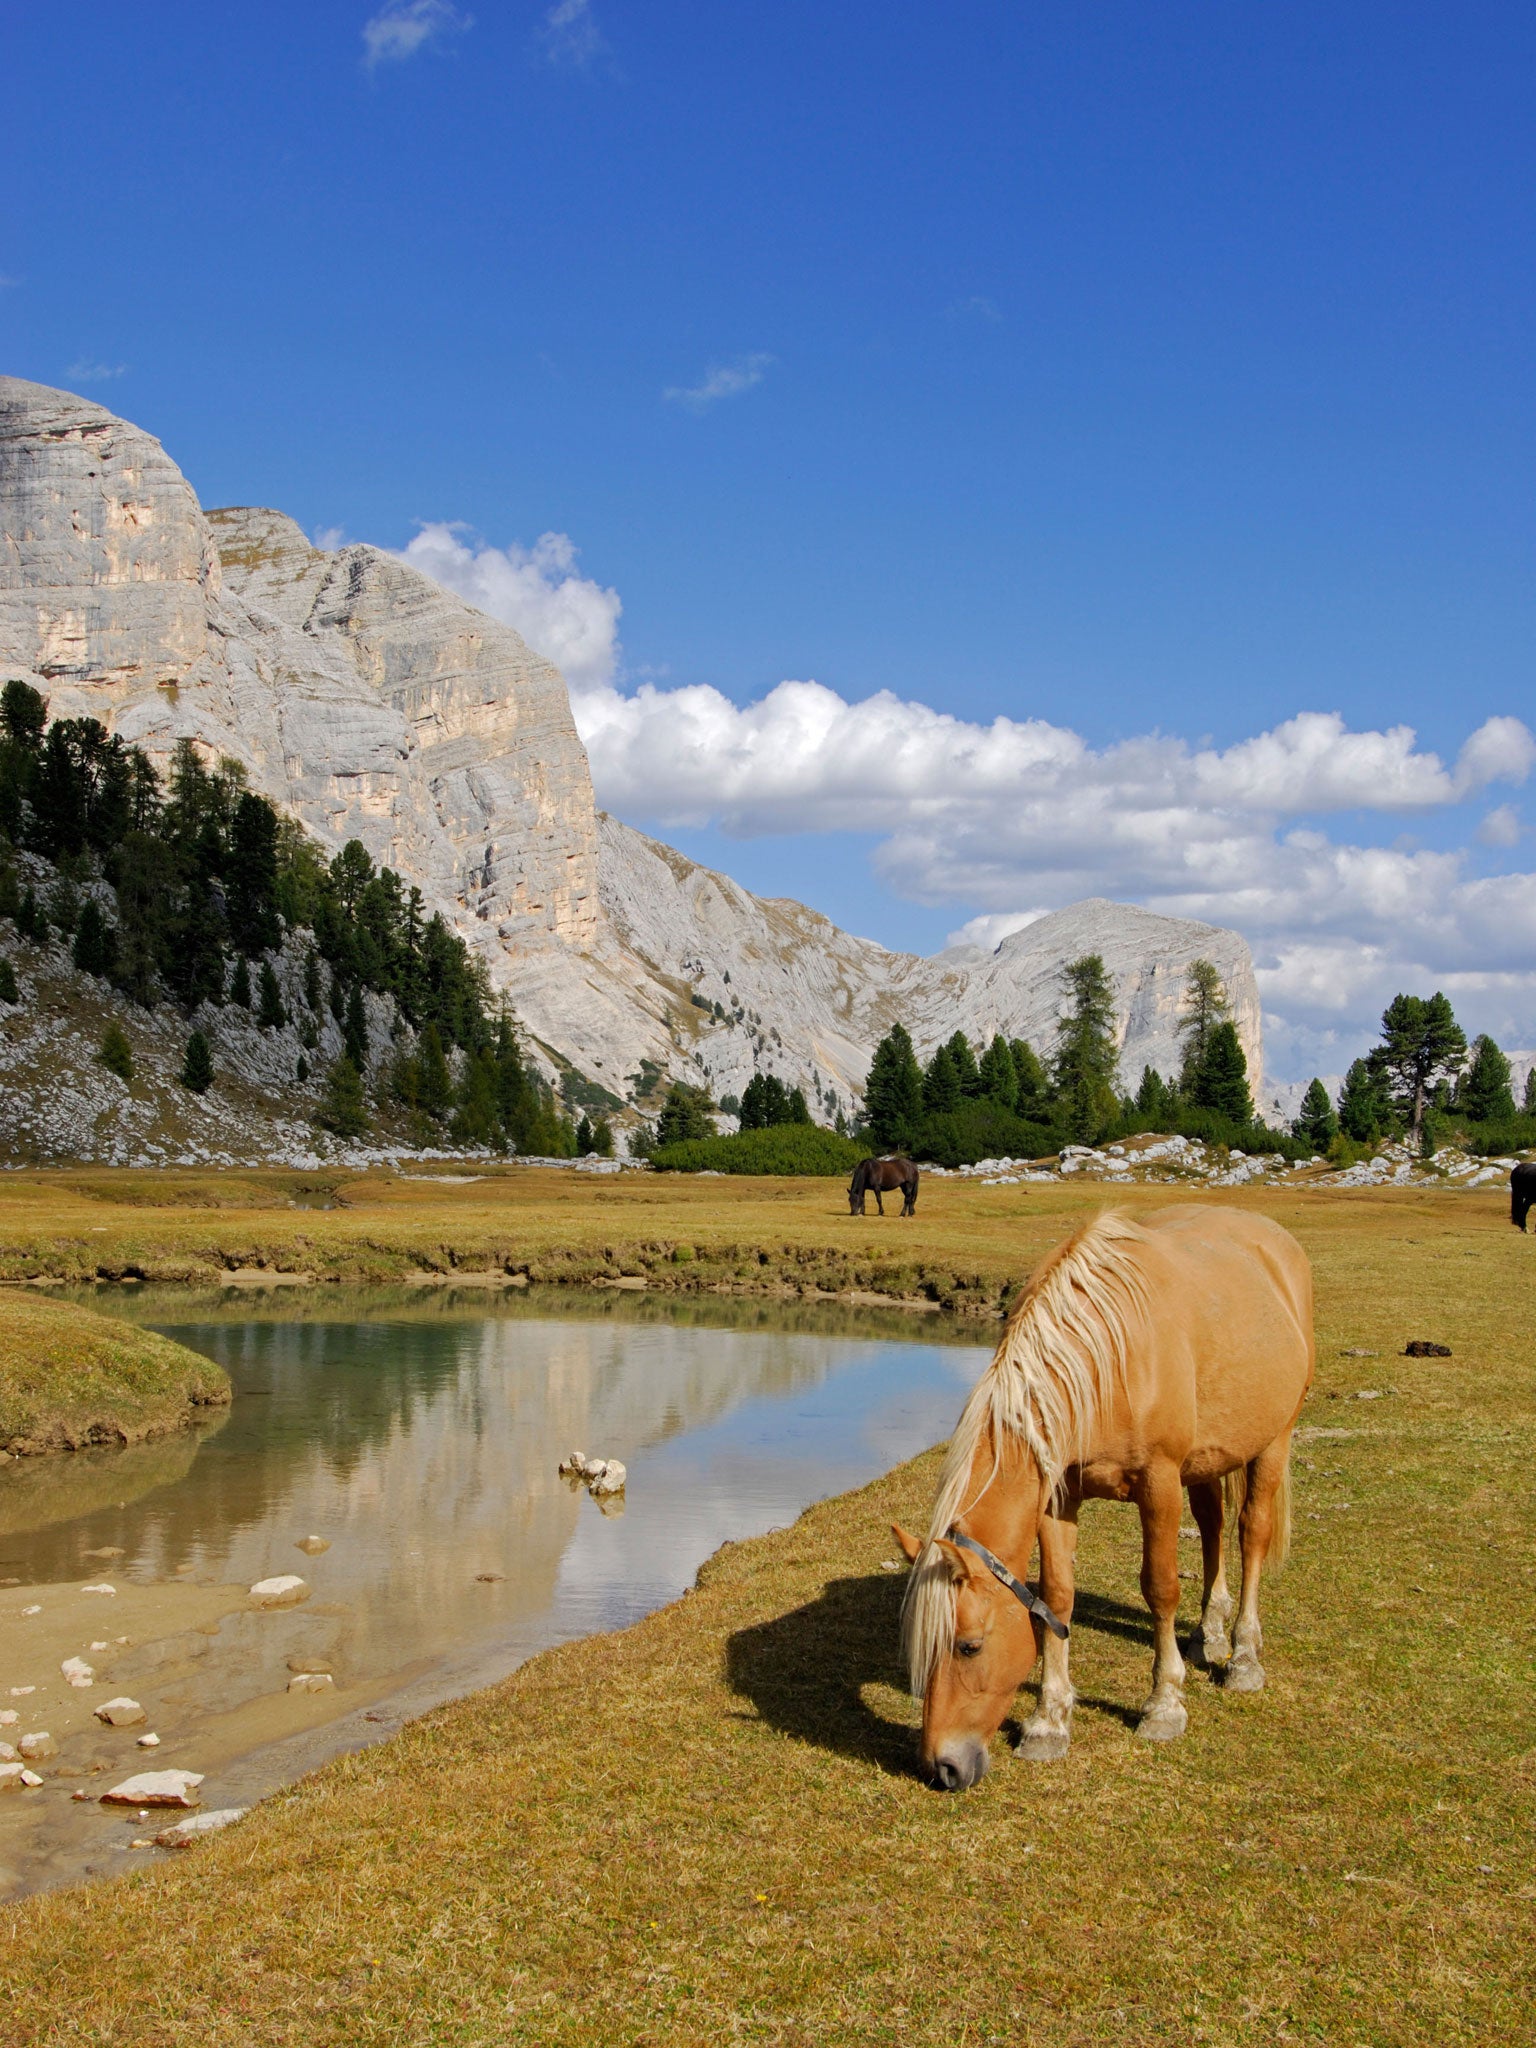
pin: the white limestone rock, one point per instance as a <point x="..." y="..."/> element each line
<point x="311" y="1681"/>
<point x="37" y="1746"/>
<point x="156" y="1788"/>
<point x="77" y="1672"/>
<point x="286" y="1590"/>
<point x="610" y="1480"/>
<point x="183" y="1833"/>
<point x="121" y="1712"/>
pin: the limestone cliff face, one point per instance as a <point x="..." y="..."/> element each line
<point x="372" y="704"/>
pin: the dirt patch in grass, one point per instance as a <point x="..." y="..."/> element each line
<point x="70" y="1377"/>
<point x="706" y="1829"/>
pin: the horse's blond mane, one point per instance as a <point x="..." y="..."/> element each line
<point x="1052" y="1378"/>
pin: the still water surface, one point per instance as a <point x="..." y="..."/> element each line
<point x="421" y="1441"/>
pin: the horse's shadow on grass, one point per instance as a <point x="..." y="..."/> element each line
<point x="806" y="1671"/>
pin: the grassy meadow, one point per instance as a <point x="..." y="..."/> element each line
<point x="70" y="1377"/>
<point x="707" y="1828"/>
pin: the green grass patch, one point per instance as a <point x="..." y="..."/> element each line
<point x="785" y="1149"/>
<point x="70" y="1377"/>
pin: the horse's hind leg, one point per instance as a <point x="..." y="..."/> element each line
<point x="1265" y="1513"/>
<point x="1161" y="1500"/>
<point x="1048" y="1731"/>
<point x="880" y="1201"/>
<point x="1208" y="1645"/>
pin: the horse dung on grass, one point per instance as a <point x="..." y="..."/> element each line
<point x="878" y="1177"/>
<point x="1143" y="1357"/>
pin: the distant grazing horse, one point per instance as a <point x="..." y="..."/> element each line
<point x="1522" y="1192"/>
<point x="1143" y="1357"/>
<point x="878" y="1177"/>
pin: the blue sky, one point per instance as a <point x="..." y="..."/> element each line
<point x="1142" y="371"/>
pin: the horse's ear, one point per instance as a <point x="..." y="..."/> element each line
<point x="911" y="1546"/>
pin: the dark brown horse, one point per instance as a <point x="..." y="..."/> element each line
<point x="878" y="1177"/>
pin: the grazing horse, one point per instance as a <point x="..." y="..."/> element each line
<point x="1522" y="1192"/>
<point x="1143" y="1357"/>
<point x="878" y="1177"/>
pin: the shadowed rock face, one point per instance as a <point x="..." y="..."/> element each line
<point x="372" y="704"/>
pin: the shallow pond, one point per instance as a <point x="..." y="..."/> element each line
<point x="420" y="1440"/>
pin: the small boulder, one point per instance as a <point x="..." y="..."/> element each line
<point x="156" y="1788"/>
<point x="574" y="1465"/>
<point x="313" y="1546"/>
<point x="99" y="1589"/>
<point x="9" y="1755"/>
<point x="30" y="1779"/>
<point x="121" y="1712"/>
<point x="149" y="1742"/>
<point x="38" y="1746"/>
<point x="182" y="1834"/>
<point x="311" y="1681"/>
<point x="309" y="1663"/>
<point x="11" y="1776"/>
<point x="9" y="1717"/>
<point x="610" y="1480"/>
<point x="284" y="1591"/>
<point x="77" y="1671"/>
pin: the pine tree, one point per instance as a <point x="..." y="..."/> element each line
<point x="1527" y="1101"/>
<point x="1364" y="1112"/>
<point x="250" y="876"/>
<point x="997" y="1074"/>
<point x="602" y="1138"/>
<point x="1086" y="1058"/>
<point x="270" y="1013"/>
<point x="1420" y="1041"/>
<point x="475" y="1120"/>
<point x="354" y="1030"/>
<point x="95" y="947"/>
<point x="584" y="1143"/>
<point x="684" y="1114"/>
<point x="1316" y="1124"/>
<point x="796" y="1108"/>
<point x="1219" y="1081"/>
<point x="964" y="1061"/>
<point x="1156" y="1103"/>
<point x="434" y="1083"/>
<point x="116" y="1054"/>
<point x="1484" y="1092"/>
<point x="942" y="1089"/>
<point x="30" y="921"/>
<point x="1033" y="1094"/>
<point x="343" y="1110"/>
<point x="775" y="1101"/>
<point x="197" y="1066"/>
<point x="240" y="986"/>
<point x="1204" y="1006"/>
<point x="9" y="992"/>
<point x="893" y="1093"/>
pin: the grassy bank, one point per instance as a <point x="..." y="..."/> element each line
<point x="70" y="1377"/>
<point x="706" y="1828"/>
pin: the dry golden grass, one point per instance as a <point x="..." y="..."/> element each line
<point x="706" y="1829"/>
<point x="70" y="1377"/>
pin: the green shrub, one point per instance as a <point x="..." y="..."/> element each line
<point x="197" y="1066"/>
<point x="9" y="992"/>
<point x="982" y="1130"/>
<point x="789" y="1149"/>
<point x="116" y="1054"/>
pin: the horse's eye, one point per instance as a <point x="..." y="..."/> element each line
<point x="968" y="1649"/>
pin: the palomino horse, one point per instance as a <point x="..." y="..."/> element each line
<point x="878" y="1177"/>
<point x="1142" y="1358"/>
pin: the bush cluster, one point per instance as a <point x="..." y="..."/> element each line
<point x="780" y="1148"/>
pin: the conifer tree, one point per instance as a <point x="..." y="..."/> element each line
<point x="434" y="1083"/>
<point x="9" y="992"/>
<point x="354" y="1030"/>
<point x="1484" y="1092"/>
<point x="1204" y="1005"/>
<point x="30" y="921"/>
<point x="95" y="947"/>
<point x="1316" y="1124"/>
<point x="240" y="985"/>
<point x="343" y="1110"/>
<point x="998" y="1076"/>
<point x="1086" y="1058"/>
<point x="1032" y="1098"/>
<point x="270" y="1013"/>
<point x="1220" y="1081"/>
<point x="753" y="1113"/>
<point x="964" y="1061"/>
<point x="1420" y="1042"/>
<point x="1527" y="1101"/>
<point x="942" y="1089"/>
<point x="197" y="1065"/>
<point x="893" y="1093"/>
<point x="116" y="1054"/>
<point x="602" y="1138"/>
<point x="250" y="878"/>
<point x="584" y="1143"/>
<point x="684" y="1114"/>
<point x="1364" y="1112"/>
<point x="796" y="1108"/>
<point x="475" y="1120"/>
<point x="1156" y="1102"/>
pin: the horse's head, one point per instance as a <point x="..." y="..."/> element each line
<point x="970" y="1645"/>
<point x="856" y="1190"/>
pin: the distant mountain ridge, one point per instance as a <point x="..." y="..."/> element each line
<point x="372" y="704"/>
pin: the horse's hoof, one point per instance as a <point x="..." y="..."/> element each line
<point x="1044" y="1745"/>
<point x="1208" y="1652"/>
<point x="1244" y="1674"/>
<point x="1162" y="1724"/>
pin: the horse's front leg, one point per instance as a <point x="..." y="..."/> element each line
<point x="880" y="1201"/>
<point x="1161" y="1500"/>
<point x="1209" y="1646"/>
<point x="1268" y="1497"/>
<point x="1048" y="1731"/>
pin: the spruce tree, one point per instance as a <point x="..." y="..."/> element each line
<point x="1156" y="1104"/>
<point x="1364" y="1112"/>
<point x="964" y="1061"/>
<point x="1086" y="1058"/>
<point x="197" y="1065"/>
<point x="9" y="992"/>
<point x="942" y="1089"/>
<point x="1527" y="1101"/>
<point x="684" y="1115"/>
<point x="1316" y="1124"/>
<point x="1204" y="1006"/>
<point x="1484" y="1092"/>
<point x="775" y="1101"/>
<point x="434" y="1083"/>
<point x="602" y="1138"/>
<point x="354" y="1030"/>
<point x="343" y="1110"/>
<point x="250" y="876"/>
<point x="796" y="1108"/>
<point x="116" y="1054"/>
<point x="1420" y="1042"/>
<point x="1220" y="1081"/>
<point x="475" y="1120"/>
<point x="240" y="986"/>
<point x="998" y="1075"/>
<point x="30" y="921"/>
<point x="584" y="1143"/>
<point x="893" y="1093"/>
<point x="95" y="947"/>
<point x="270" y="1013"/>
<point x="753" y="1113"/>
<point x="1032" y="1098"/>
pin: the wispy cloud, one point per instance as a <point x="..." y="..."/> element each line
<point x="329" y="538"/>
<point x="978" y="307"/>
<point x="721" y="380"/>
<point x="570" y="33"/>
<point x="402" y="28"/>
<point x="86" y="372"/>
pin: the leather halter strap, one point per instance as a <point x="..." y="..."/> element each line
<point x="1025" y="1595"/>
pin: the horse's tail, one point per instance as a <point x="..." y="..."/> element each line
<point x="1234" y="1489"/>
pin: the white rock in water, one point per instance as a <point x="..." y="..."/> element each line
<point x="30" y="1778"/>
<point x="98" y="1589"/>
<point x="33" y="1609"/>
<point x="611" y="1479"/>
<point x="574" y="1465"/>
<point x="37" y="1746"/>
<point x="9" y="1717"/>
<point x="156" y="1788"/>
<point x="311" y="1681"/>
<point x="283" y="1591"/>
<point x="9" y="1755"/>
<point x="149" y="1742"/>
<point x="312" y="1546"/>
<point x="184" y="1832"/>
<point x="11" y="1776"/>
<point x="77" y="1671"/>
<point x="121" y="1712"/>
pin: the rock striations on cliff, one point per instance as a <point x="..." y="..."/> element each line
<point x="372" y="704"/>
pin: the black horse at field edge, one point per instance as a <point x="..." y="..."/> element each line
<point x="878" y="1177"/>
<point x="1522" y="1193"/>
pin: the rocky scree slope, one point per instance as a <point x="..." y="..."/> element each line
<point x="372" y="704"/>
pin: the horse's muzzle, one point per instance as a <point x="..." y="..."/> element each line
<point x="958" y="1766"/>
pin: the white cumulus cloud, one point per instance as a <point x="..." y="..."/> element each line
<point x="563" y="615"/>
<point x="401" y="29"/>
<point x="721" y="380"/>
